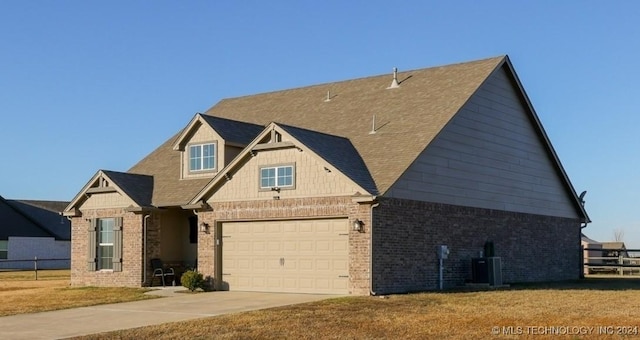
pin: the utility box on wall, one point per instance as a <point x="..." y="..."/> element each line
<point x="487" y="270"/>
<point x="443" y="252"/>
<point x="494" y="265"/>
<point x="479" y="270"/>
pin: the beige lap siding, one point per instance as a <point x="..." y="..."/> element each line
<point x="131" y="274"/>
<point x="359" y="243"/>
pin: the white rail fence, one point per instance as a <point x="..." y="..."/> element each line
<point x="610" y="261"/>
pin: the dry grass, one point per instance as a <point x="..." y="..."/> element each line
<point x="21" y="293"/>
<point x="453" y="315"/>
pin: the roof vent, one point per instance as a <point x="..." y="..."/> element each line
<point x="373" y="127"/>
<point x="394" y="83"/>
<point x="328" y="99"/>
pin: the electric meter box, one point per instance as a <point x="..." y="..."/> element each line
<point x="443" y="252"/>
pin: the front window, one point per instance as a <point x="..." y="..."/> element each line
<point x="277" y="176"/>
<point x="105" y="243"/>
<point x="202" y="157"/>
<point x="4" y="249"/>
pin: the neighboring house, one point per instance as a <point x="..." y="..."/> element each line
<point x="592" y="250"/>
<point x="614" y="249"/>
<point x="30" y="229"/>
<point x="346" y="187"/>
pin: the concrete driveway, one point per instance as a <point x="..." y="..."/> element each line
<point x="173" y="307"/>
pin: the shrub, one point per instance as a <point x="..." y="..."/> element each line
<point x="192" y="280"/>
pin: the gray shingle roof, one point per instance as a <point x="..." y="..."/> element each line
<point x="138" y="187"/>
<point x="232" y="130"/>
<point x="339" y="152"/>
<point x="164" y="165"/>
<point x="25" y="219"/>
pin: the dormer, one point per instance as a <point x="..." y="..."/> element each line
<point x="207" y="144"/>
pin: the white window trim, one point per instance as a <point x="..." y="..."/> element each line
<point x="201" y="145"/>
<point x="278" y="185"/>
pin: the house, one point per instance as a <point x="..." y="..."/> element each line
<point x="614" y="249"/>
<point x="30" y="229"/>
<point x="591" y="251"/>
<point x="347" y="188"/>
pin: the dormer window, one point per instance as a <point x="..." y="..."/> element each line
<point x="202" y="157"/>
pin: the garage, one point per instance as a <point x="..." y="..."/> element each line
<point x="295" y="256"/>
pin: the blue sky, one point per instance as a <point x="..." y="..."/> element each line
<point x="88" y="85"/>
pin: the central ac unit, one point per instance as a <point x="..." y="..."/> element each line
<point x="494" y="266"/>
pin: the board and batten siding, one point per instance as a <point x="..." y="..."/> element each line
<point x="489" y="156"/>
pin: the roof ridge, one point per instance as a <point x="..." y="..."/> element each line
<point x="353" y="79"/>
<point x="310" y="130"/>
<point x="206" y="116"/>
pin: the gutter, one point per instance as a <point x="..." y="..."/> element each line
<point x="371" y="292"/>
<point x="144" y="248"/>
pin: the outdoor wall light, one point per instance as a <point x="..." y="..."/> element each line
<point x="358" y="226"/>
<point x="204" y="227"/>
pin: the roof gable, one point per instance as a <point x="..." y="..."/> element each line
<point x="329" y="148"/>
<point x="577" y="200"/>
<point x="339" y="152"/>
<point x="138" y="188"/>
<point x="232" y="131"/>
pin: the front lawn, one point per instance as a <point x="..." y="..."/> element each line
<point x="590" y="309"/>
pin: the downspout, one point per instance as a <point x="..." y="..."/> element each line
<point x="144" y="249"/>
<point x="371" y="292"/>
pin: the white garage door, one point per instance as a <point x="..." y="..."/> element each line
<point x="302" y="256"/>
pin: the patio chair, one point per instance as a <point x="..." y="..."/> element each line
<point x="159" y="270"/>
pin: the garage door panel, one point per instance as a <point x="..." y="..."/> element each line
<point x="287" y="256"/>
<point x="258" y="246"/>
<point x="323" y="246"/>
<point x="341" y="264"/>
<point x="272" y="229"/>
<point x="273" y="246"/>
<point x="341" y="246"/>
<point x="290" y="246"/>
<point x="306" y="264"/>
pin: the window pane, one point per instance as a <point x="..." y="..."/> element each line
<point x="209" y="158"/>
<point x="3" y="254"/>
<point x="285" y="177"/>
<point x="106" y="231"/>
<point x="105" y="243"/>
<point x="105" y="257"/>
<point x="195" y="157"/>
<point x="267" y="177"/>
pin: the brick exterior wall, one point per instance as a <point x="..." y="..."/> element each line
<point x="404" y="238"/>
<point x="406" y="233"/>
<point x="320" y="207"/>
<point x="131" y="274"/>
